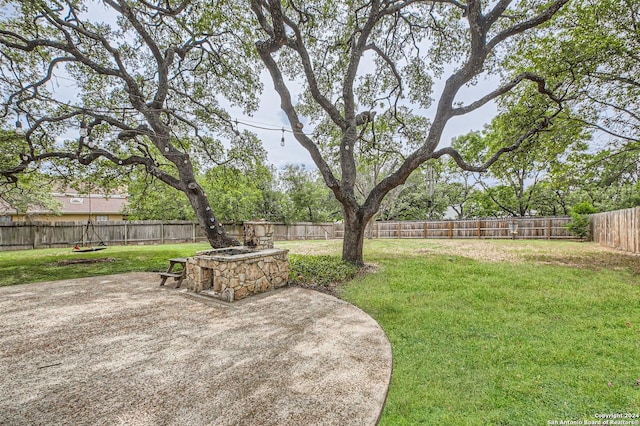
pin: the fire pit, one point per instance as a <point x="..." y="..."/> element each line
<point x="234" y="273"/>
<point x="227" y="252"/>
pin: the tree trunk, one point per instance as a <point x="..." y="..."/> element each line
<point x="353" y="242"/>
<point x="186" y="182"/>
<point x="213" y="229"/>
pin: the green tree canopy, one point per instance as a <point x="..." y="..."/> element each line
<point x="307" y="199"/>
<point x="33" y="187"/>
<point x="595" y="61"/>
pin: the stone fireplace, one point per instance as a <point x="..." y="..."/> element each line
<point x="237" y="272"/>
<point x="258" y="235"/>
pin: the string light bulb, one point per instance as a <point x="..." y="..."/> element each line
<point x="19" y="129"/>
<point x="430" y="180"/>
<point x="282" y="139"/>
<point x="84" y="130"/>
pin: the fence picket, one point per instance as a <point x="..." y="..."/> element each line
<point x="618" y="229"/>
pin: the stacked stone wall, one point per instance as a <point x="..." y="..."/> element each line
<point x="236" y="277"/>
<point x="258" y="235"/>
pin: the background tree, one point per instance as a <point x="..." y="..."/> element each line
<point x="151" y="199"/>
<point x="458" y="186"/>
<point x="512" y="182"/>
<point x="32" y="189"/>
<point x="148" y="80"/>
<point x="549" y="200"/>
<point x="609" y="179"/>
<point x="240" y="192"/>
<point x="595" y="45"/>
<point x="309" y="200"/>
<point x="359" y="58"/>
<point x="422" y="197"/>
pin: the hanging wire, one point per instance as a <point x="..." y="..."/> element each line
<point x="127" y="111"/>
<point x="272" y="127"/>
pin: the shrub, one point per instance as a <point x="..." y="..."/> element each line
<point x="312" y="270"/>
<point x="580" y="223"/>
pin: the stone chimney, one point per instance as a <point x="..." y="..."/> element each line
<point x="258" y="235"/>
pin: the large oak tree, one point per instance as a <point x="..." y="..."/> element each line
<point x="116" y="84"/>
<point x="361" y="57"/>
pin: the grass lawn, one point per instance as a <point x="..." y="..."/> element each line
<point x="503" y="332"/>
<point x="28" y="266"/>
<point x="483" y="332"/>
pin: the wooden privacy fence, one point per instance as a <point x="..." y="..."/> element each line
<point x="527" y="228"/>
<point x="305" y="231"/>
<point x="25" y="235"/>
<point x="618" y="229"/>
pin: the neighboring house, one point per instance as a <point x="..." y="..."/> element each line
<point x="73" y="207"/>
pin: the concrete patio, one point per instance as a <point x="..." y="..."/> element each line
<point x="121" y="350"/>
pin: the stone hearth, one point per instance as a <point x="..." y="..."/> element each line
<point x="237" y="272"/>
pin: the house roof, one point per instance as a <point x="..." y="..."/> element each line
<point x="93" y="203"/>
<point x="73" y="203"/>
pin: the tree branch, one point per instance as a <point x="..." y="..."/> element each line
<point x="325" y="103"/>
<point x="289" y="109"/>
<point x="541" y="83"/>
<point x="389" y="62"/>
<point x="455" y="155"/>
<point x="541" y="18"/>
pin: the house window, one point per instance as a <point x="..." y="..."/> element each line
<point x="102" y="218"/>
<point x="5" y="219"/>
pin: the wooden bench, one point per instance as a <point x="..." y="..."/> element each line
<point x="176" y="275"/>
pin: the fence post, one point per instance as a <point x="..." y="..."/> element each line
<point x="479" y="229"/>
<point x="451" y="229"/>
<point x="34" y="240"/>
